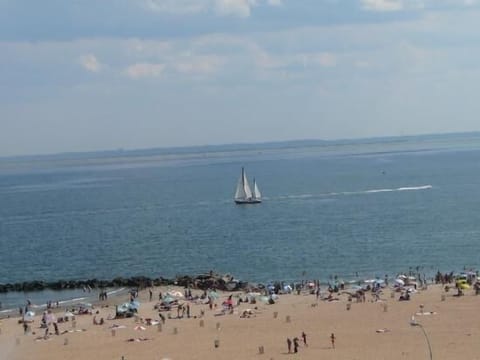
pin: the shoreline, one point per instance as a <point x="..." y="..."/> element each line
<point x="188" y="279"/>
<point x="88" y="290"/>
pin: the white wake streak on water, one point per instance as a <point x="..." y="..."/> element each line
<point x="371" y="191"/>
<point x="424" y="187"/>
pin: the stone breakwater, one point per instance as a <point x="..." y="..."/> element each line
<point x="203" y="282"/>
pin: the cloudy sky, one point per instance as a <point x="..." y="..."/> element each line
<point x="84" y="75"/>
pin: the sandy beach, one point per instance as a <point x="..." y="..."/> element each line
<point x="368" y="330"/>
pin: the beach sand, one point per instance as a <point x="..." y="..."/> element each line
<point x="369" y="330"/>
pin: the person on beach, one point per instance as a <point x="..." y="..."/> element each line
<point x="150" y="293"/>
<point x="304" y="337"/>
<point x="332" y="339"/>
<point x="295" y="345"/>
<point x="289" y="345"/>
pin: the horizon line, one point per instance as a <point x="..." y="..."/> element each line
<point x="239" y="145"/>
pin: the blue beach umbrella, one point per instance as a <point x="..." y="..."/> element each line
<point x="213" y="294"/>
<point x="168" y="299"/>
<point x="133" y="305"/>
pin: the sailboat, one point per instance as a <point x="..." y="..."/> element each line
<point x="243" y="194"/>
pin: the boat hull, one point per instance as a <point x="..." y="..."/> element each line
<point x="250" y="201"/>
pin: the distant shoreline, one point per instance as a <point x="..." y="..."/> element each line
<point x="230" y="147"/>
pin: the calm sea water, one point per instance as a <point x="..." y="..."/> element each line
<point x="372" y="207"/>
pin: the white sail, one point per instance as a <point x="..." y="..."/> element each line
<point x="246" y="186"/>
<point x="243" y="193"/>
<point x="256" y="191"/>
<point x="240" y="192"/>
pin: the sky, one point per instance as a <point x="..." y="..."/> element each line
<point x="87" y="75"/>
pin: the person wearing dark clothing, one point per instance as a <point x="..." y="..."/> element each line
<point x="295" y="345"/>
<point x="332" y="339"/>
<point x="304" y="337"/>
<point x="289" y="345"/>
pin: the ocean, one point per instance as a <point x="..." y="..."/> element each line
<point x="352" y="208"/>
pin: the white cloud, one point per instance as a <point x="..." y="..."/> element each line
<point x="89" y="62"/>
<point x="200" y="65"/>
<point x="398" y="5"/>
<point x="266" y="60"/>
<point x="177" y="6"/>
<point x="263" y="59"/>
<point x="141" y="70"/>
<point x="323" y="59"/>
<point x="382" y="5"/>
<point x="240" y="8"/>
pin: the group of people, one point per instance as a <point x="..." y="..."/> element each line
<point x="102" y="295"/>
<point x="296" y="342"/>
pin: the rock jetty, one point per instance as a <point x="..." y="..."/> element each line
<point x="203" y="282"/>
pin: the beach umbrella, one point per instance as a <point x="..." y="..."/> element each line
<point x="133" y="305"/>
<point x="287" y="288"/>
<point x="264" y="299"/>
<point x="168" y="299"/>
<point x="84" y="305"/>
<point x="29" y="315"/>
<point x="464" y="286"/>
<point x="253" y="295"/>
<point x="69" y="314"/>
<point x="213" y="294"/>
<point x="122" y="308"/>
<point x="175" y="293"/>
<point x="399" y="282"/>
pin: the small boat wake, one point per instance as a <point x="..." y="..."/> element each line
<point x="345" y="193"/>
<point x="408" y="188"/>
